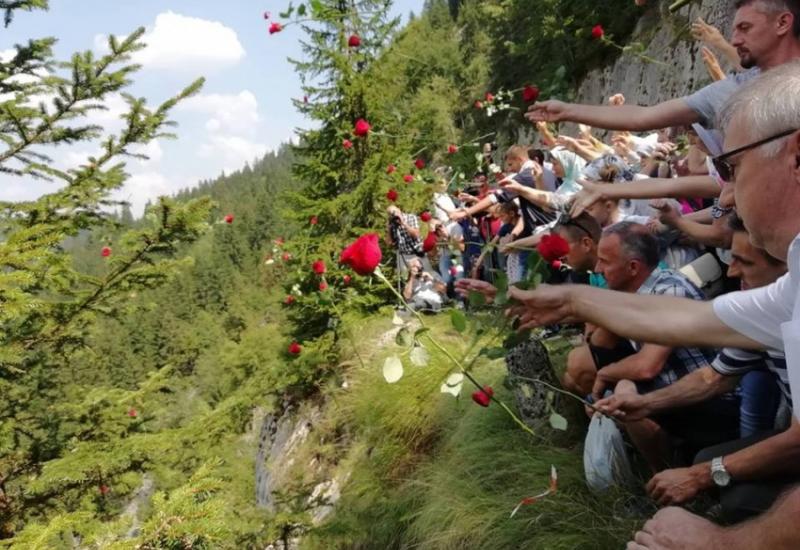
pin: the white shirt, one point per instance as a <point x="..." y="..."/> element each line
<point x="770" y="315"/>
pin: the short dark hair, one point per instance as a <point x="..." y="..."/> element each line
<point x="580" y="226"/>
<point x="509" y="207"/>
<point x="536" y="154"/>
<point x="636" y="242"/>
<point x="736" y="224"/>
<point x="774" y="6"/>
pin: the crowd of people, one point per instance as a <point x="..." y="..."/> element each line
<point x="682" y="270"/>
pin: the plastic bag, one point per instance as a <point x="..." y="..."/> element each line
<point x="605" y="460"/>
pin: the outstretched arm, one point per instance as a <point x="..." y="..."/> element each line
<point x="674" y="112"/>
<point x="654" y="188"/>
<point x="664" y="320"/>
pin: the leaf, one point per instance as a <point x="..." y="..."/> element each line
<point x="453" y="384"/>
<point x="316" y="7"/>
<point x="301" y="10"/>
<point x="500" y="282"/>
<point x="561" y="72"/>
<point x="397" y="320"/>
<point x="420" y="332"/>
<point x="476" y="299"/>
<point x="392" y="369"/>
<point x="404" y="338"/>
<point x="458" y="319"/>
<point x="537" y="280"/>
<point x="558" y="422"/>
<point x="419" y="356"/>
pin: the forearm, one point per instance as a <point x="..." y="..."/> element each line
<point x="657" y="188"/>
<point x="709" y="235"/>
<point x="633" y="117"/>
<point x="587" y="154"/>
<point x="537" y="197"/>
<point x="775" y="529"/>
<point x="480" y="206"/>
<point x="695" y="387"/>
<point x="778" y="455"/>
<point x="663" y="320"/>
<point x="546" y="135"/>
<point x="413" y="232"/>
<point x="408" y="291"/>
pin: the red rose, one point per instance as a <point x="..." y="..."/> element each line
<point x="391" y="169"/>
<point x="408" y="178"/>
<point x="347" y="144"/>
<point x="364" y="255"/>
<point x="354" y="41"/>
<point x="481" y="397"/>
<point x="488" y="391"/>
<point x="286" y="257"/>
<point x="346" y="279"/>
<point x="489" y="97"/>
<point x="452" y="149"/>
<point x="598" y="32"/>
<point x="323" y="286"/>
<point x="478" y="105"/>
<point x="104" y="489"/>
<point x="556" y="264"/>
<point x="229" y="219"/>
<point x="319" y="267"/>
<point x="313" y="220"/>
<point x="425" y="216"/>
<point x="392" y="195"/>
<point x="294" y="348"/>
<point x="275" y="27"/>
<point x="105" y="252"/>
<point x="419" y="163"/>
<point x="454" y="271"/>
<point x="289" y="300"/>
<point x="430" y="242"/>
<point x="132" y="413"/>
<point x="362" y="128"/>
<point x="530" y="94"/>
<point x="553" y="247"/>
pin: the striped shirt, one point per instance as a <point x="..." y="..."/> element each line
<point x="682" y="361"/>
<point x="738" y="362"/>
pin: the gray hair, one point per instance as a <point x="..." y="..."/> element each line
<point x="636" y="242"/>
<point x="766" y="105"/>
<point x="772" y="7"/>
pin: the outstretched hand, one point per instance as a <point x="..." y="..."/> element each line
<point x="547" y="111"/>
<point x="587" y="197"/>
<point x="543" y="306"/>
<point x="465" y="286"/>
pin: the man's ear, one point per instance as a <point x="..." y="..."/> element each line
<point x="794" y="145"/>
<point x="784" y="23"/>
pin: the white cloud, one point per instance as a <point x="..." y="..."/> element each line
<point x="152" y="150"/>
<point x="179" y="42"/>
<point x="233" y="151"/>
<point x="140" y="188"/>
<point x="234" y="113"/>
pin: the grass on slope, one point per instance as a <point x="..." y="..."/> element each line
<point x="426" y="470"/>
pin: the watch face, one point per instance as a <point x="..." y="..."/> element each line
<point x="721" y="478"/>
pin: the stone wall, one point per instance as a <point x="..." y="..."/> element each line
<point x="669" y="42"/>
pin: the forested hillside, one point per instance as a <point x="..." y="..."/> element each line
<point x="140" y="357"/>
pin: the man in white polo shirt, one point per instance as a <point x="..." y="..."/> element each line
<point x="761" y="122"/>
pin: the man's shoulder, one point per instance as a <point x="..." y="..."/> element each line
<point x="670" y="283"/>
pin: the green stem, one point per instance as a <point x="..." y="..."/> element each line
<point x="568" y="394"/>
<point x="449" y="355"/>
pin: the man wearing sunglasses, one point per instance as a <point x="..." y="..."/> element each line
<point x="761" y="124"/>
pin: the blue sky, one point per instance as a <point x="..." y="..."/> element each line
<point x="243" y="111"/>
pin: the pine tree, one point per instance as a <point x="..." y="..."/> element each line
<point x="49" y="305"/>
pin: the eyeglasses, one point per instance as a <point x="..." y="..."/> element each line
<point x="726" y="170"/>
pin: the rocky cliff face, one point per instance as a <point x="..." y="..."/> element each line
<point x="667" y="40"/>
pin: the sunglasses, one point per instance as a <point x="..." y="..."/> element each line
<point x="565" y="219"/>
<point x="726" y="170"/>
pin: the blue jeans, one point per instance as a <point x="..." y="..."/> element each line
<point x="760" y="400"/>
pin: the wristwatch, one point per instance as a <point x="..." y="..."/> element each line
<point x="719" y="474"/>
